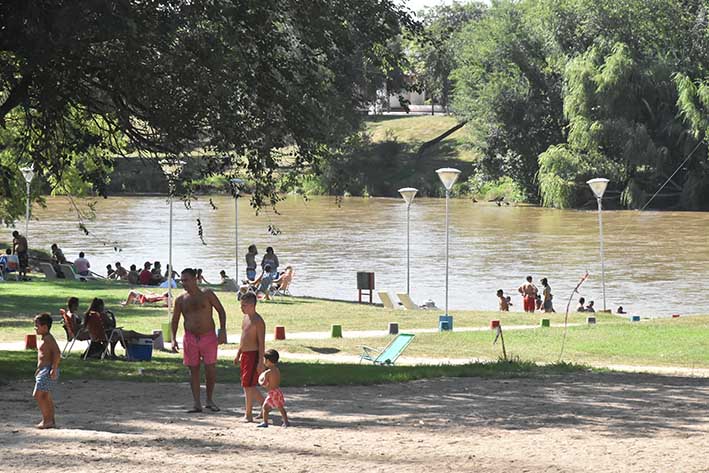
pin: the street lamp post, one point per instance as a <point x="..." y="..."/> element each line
<point x="598" y="186"/>
<point x="172" y="170"/>
<point x="448" y="176"/>
<point x="236" y="183"/>
<point x="408" y="193"/>
<point x="28" y="174"/>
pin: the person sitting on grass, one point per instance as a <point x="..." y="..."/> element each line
<point x="145" y="275"/>
<point x="133" y="275"/>
<point x="502" y="301"/>
<point x="110" y="272"/>
<point x="271" y="380"/>
<point x="621" y="311"/>
<point x="47" y="372"/>
<point x="589" y="307"/>
<point x="581" y="307"/>
<point x="120" y="273"/>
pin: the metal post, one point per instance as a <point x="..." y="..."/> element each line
<point x="27" y="213"/>
<point x="169" y="276"/>
<point x="236" y="239"/>
<point x="603" y="268"/>
<point x="447" y="193"/>
<point x="408" y="247"/>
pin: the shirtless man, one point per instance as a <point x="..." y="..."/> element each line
<point x="47" y="373"/>
<point x="529" y="294"/>
<point x="251" y="351"/>
<point x="199" y="342"/>
<point x="19" y="247"/>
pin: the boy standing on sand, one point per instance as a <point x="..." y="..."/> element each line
<point x="251" y="351"/>
<point x="47" y="373"/>
<point x="271" y="380"/>
<point x="199" y="342"/>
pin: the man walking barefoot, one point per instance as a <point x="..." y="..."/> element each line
<point x="251" y="351"/>
<point x="199" y="342"/>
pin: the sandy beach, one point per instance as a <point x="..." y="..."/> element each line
<point x="591" y="422"/>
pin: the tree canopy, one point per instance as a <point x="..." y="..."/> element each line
<point x="561" y="91"/>
<point x="83" y="81"/>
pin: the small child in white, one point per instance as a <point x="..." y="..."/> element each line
<point x="271" y="380"/>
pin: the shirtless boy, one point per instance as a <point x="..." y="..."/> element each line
<point x="250" y="354"/>
<point x="271" y="380"/>
<point x="47" y="373"/>
<point x="529" y="294"/>
<point x="199" y="342"/>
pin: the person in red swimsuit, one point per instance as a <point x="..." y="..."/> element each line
<point x="250" y="354"/>
<point x="529" y="294"/>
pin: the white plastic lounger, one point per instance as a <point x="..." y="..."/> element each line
<point x="406" y="301"/>
<point x="387" y="300"/>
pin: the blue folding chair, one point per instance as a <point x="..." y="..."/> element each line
<point x="390" y="353"/>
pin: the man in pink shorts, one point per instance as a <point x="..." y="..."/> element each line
<point x="200" y="342"/>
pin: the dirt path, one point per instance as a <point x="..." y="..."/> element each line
<point x="581" y="423"/>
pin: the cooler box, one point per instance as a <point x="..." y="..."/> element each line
<point x="140" y="350"/>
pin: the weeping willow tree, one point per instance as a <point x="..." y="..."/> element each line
<point x="574" y="89"/>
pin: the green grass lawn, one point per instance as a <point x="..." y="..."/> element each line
<point x="614" y="340"/>
<point x="16" y="365"/>
<point x="21" y="300"/>
<point x="418" y="129"/>
<point x="669" y="342"/>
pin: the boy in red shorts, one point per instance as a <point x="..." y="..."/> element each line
<point x="250" y="354"/>
<point x="271" y="380"/>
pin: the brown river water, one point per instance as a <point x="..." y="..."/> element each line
<point x="656" y="262"/>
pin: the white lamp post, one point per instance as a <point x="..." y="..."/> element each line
<point x="28" y="174"/>
<point x="236" y="183"/>
<point x="598" y="186"/>
<point x="408" y="193"/>
<point x="448" y="177"/>
<point x="172" y="170"/>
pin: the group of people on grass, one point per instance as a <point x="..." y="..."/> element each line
<point x="196" y="306"/>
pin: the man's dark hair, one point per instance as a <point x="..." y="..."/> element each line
<point x="582" y="300"/>
<point x="269" y="249"/>
<point x="15" y="233"/>
<point x="72" y="301"/>
<point x="271" y="355"/>
<point x="249" y="298"/>
<point x="544" y="281"/>
<point x="500" y="292"/>
<point x="529" y="278"/>
<point x="133" y="268"/>
<point x="81" y="254"/>
<point x="54" y="245"/>
<point x="147" y="264"/>
<point x="190" y="271"/>
<point x="43" y="319"/>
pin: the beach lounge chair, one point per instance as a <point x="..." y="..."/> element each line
<point x="73" y="333"/>
<point x="387" y="300"/>
<point x="70" y="273"/>
<point x="48" y="271"/>
<point x="282" y="285"/>
<point x="406" y="300"/>
<point x="390" y="354"/>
